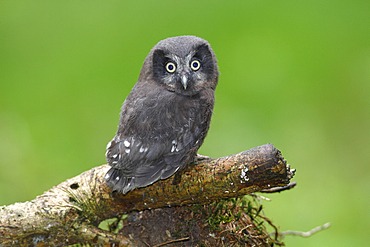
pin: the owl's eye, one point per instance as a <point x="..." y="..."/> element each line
<point x="170" y="67"/>
<point x="195" y="65"/>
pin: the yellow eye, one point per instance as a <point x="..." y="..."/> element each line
<point x="170" y="67"/>
<point x="195" y="65"/>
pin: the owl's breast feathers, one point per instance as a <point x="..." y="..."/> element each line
<point x="159" y="133"/>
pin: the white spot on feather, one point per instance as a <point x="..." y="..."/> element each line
<point x="174" y="146"/>
<point x="126" y="143"/>
<point x="115" y="156"/>
<point x="127" y="150"/>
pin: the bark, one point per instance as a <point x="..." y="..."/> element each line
<point x="71" y="211"/>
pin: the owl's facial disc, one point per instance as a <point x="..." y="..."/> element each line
<point x="185" y="73"/>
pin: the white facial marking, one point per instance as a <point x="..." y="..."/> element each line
<point x="115" y="156"/>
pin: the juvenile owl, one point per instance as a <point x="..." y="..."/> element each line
<point x="166" y="116"/>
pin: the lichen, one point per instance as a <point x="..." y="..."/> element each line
<point x="244" y="175"/>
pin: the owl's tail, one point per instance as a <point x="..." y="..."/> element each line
<point x="118" y="180"/>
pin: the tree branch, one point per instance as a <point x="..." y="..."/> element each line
<point x="308" y="233"/>
<point x="71" y="211"/>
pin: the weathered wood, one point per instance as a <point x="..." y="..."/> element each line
<point x="71" y="211"/>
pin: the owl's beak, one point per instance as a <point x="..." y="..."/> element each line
<point x="184" y="81"/>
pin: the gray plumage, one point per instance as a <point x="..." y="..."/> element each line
<point x="166" y="116"/>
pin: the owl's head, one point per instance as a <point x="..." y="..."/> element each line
<point x="183" y="64"/>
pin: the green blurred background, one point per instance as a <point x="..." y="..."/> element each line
<point x="293" y="73"/>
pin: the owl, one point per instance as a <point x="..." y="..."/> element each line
<point x="166" y="116"/>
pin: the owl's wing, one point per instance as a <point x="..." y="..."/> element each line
<point x="138" y="163"/>
<point x="128" y="158"/>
